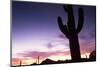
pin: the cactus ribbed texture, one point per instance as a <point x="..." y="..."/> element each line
<point x="71" y="32"/>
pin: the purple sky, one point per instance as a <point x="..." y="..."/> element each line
<point x="35" y="29"/>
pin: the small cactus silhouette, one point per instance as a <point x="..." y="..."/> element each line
<point x="71" y="32"/>
<point x="20" y="63"/>
<point x="38" y="59"/>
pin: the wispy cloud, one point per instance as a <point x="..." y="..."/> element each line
<point x="34" y="54"/>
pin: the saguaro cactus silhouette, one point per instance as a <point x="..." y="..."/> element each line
<point x="71" y="32"/>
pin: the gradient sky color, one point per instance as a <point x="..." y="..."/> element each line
<point x="35" y="31"/>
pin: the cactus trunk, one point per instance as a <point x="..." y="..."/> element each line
<point x="75" y="48"/>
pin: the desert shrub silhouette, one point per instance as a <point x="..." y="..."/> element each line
<point x="92" y="56"/>
<point x="71" y="32"/>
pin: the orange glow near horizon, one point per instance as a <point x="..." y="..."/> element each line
<point x="85" y="55"/>
<point x="55" y="58"/>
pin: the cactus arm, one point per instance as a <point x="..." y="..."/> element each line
<point x="66" y="31"/>
<point x="80" y="21"/>
<point x="68" y="8"/>
<point x="71" y="21"/>
<point x="62" y="27"/>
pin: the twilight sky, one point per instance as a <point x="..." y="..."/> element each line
<point x="35" y="31"/>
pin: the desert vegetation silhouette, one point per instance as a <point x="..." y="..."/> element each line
<point x="71" y="32"/>
<point x="92" y="57"/>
